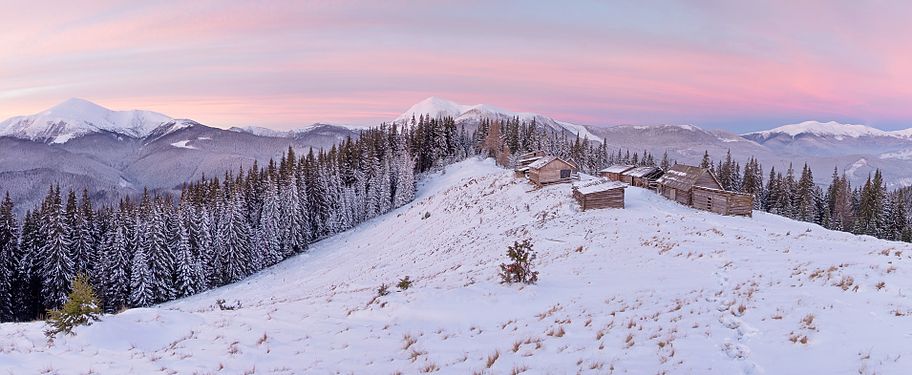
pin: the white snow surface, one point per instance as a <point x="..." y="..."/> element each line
<point x="439" y="107"/>
<point x="76" y="117"/>
<point x="833" y="129"/>
<point x="653" y="288"/>
<point x="184" y="144"/>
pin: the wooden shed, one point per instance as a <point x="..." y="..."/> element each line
<point x="600" y="193"/>
<point x="552" y="170"/>
<point x="523" y="161"/>
<point x="723" y="202"/>
<point x="678" y="182"/>
<point x="613" y="172"/>
<point x="644" y="177"/>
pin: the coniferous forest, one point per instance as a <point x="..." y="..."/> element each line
<point x="158" y="247"/>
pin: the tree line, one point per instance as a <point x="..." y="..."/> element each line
<point x="158" y="247"/>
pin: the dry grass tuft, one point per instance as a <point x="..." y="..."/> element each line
<point x="493" y="358"/>
<point x="408" y="341"/>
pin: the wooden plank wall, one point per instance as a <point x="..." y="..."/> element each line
<point x="613" y="198"/>
<point x="723" y="202"/>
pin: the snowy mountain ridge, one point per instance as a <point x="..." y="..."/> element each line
<point x="653" y="288"/>
<point x="439" y="107"/>
<point x="76" y="117"/>
<point x="831" y="128"/>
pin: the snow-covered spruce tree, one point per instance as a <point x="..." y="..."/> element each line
<point x="160" y="255"/>
<point x="141" y="287"/>
<point x="271" y="226"/>
<point x="186" y="277"/>
<point x="28" y="281"/>
<point x="83" y="224"/>
<point x="235" y="234"/>
<point x="80" y="308"/>
<point x="116" y="266"/>
<point x="9" y="259"/>
<point x="57" y="268"/>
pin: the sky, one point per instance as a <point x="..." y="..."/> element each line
<point x="736" y="65"/>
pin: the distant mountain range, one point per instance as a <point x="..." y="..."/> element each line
<point x="81" y="144"/>
<point x="78" y="143"/>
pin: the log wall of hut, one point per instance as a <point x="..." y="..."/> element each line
<point x="723" y="202"/>
<point x="612" y="198"/>
<point x="554" y="172"/>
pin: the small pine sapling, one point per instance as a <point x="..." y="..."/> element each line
<point x="81" y="308"/>
<point x="383" y="290"/>
<point x="404" y="283"/>
<point x="520" y="270"/>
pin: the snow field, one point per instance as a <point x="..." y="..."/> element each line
<point x="653" y="288"/>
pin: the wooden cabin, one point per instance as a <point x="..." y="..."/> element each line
<point x="613" y="172"/>
<point x="723" y="202"/>
<point x="678" y="182"/>
<point x="644" y="177"/>
<point x="552" y="170"/>
<point x="600" y="193"/>
<point x="523" y="161"/>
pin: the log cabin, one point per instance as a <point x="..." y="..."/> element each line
<point x="552" y="170"/>
<point x="523" y="161"/>
<point x="723" y="202"/>
<point x="678" y="182"/>
<point x="644" y="177"/>
<point x="600" y="193"/>
<point x="613" y="172"/>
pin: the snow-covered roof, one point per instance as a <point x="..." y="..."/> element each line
<point x="619" y="168"/>
<point x="641" y="171"/>
<point x="528" y="160"/>
<point x="682" y="177"/>
<point x="598" y="185"/>
<point x="542" y="162"/>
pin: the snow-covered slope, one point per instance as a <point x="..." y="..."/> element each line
<point x="653" y="288"/>
<point x="77" y="117"/>
<point x="439" y="107"/>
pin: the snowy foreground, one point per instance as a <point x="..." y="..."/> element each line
<point x="653" y="288"/>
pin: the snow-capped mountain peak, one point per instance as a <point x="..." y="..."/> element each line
<point x="438" y="107"/>
<point x="829" y="129"/>
<point x="77" y="117"/>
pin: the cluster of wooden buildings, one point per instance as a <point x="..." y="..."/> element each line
<point x="691" y="186"/>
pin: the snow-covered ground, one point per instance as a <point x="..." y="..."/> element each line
<point x="653" y="288"/>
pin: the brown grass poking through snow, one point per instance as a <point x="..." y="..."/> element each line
<point x="557" y="332"/>
<point x="808" y="321"/>
<point x="408" y="341"/>
<point x="431" y="367"/>
<point x="519" y="370"/>
<point x="493" y="358"/>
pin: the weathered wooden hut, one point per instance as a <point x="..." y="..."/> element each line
<point x="552" y="170"/>
<point x="600" y="193"/>
<point x="523" y="161"/>
<point x="644" y="177"/>
<point x="678" y="182"/>
<point x="723" y="202"/>
<point x="613" y="172"/>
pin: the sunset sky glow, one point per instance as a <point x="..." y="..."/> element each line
<point x="737" y="65"/>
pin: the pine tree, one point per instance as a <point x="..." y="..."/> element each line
<point x="81" y="308"/>
<point x="140" y="280"/>
<point x="160" y="256"/>
<point x="57" y="270"/>
<point x="805" y="195"/>
<point x="186" y="270"/>
<point x="83" y="234"/>
<point x="117" y="266"/>
<point x="9" y="254"/>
